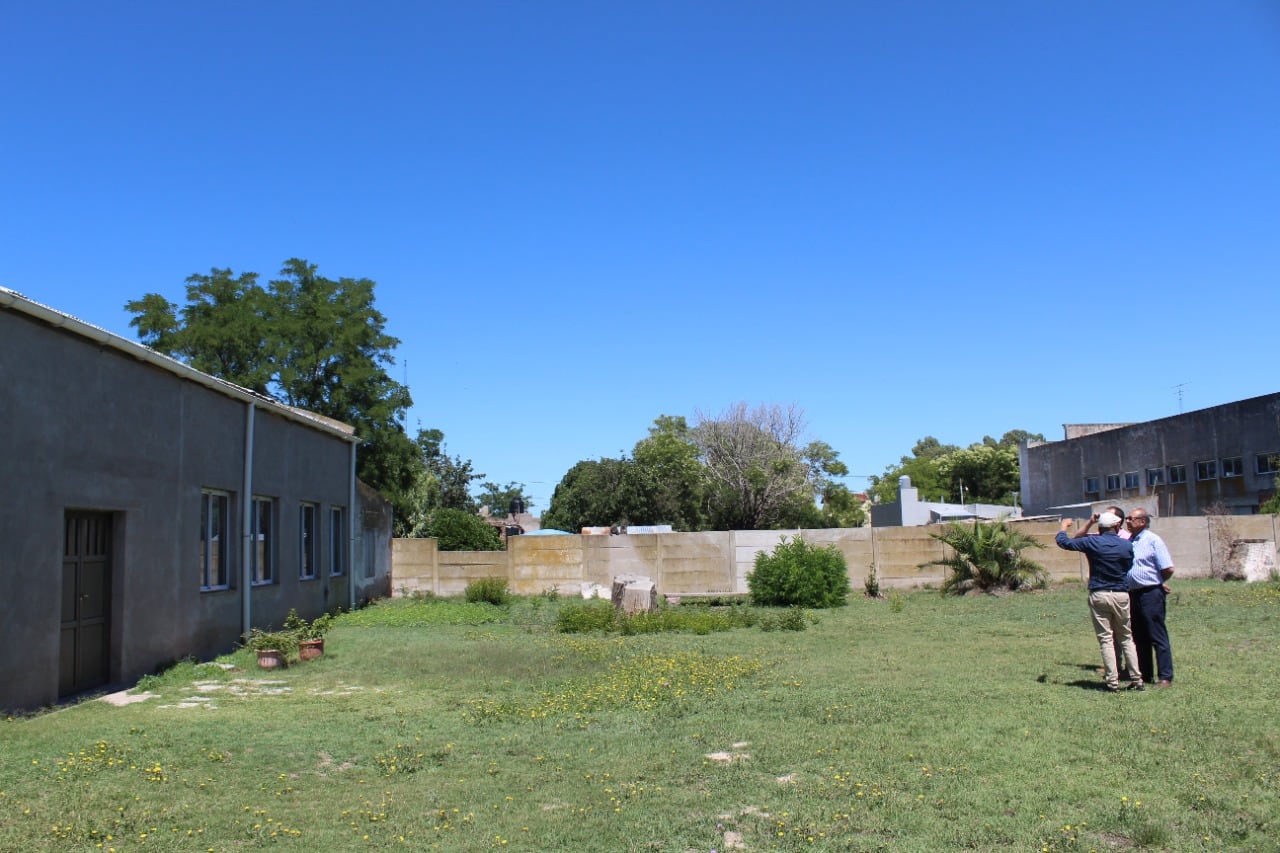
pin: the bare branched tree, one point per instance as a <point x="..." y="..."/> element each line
<point x="755" y="464"/>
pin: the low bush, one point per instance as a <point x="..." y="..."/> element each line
<point x="488" y="591"/>
<point x="798" y="574"/>
<point x="580" y="617"/>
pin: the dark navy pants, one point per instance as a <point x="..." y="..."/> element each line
<point x="1146" y="609"/>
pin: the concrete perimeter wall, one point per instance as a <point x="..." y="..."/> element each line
<point x="711" y="562"/>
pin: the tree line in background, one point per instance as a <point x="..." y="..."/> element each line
<point x="320" y="344"/>
<point x="746" y="469"/>
<point x="984" y="472"/>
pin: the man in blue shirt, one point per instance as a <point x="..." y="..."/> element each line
<point x="1110" y="559"/>
<point x="1152" y="567"/>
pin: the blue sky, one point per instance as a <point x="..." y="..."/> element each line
<point x="906" y="218"/>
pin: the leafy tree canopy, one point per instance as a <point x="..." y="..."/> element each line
<point x="986" y="471"/>
<point x="308" y="341"/>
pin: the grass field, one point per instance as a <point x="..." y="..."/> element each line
<point x="911" y="723"/>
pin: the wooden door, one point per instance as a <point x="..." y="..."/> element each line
<point x="86" y="599"/>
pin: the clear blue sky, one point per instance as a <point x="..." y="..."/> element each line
<point x="907" y="218"/>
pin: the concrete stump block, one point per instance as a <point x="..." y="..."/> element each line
<point x="634" y="594"/>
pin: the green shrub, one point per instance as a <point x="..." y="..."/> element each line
<point x="489" y="591"/>
<point x="986" y="556"/>
<point x="455" y="530"/>
<point x="872" y="583"/>
<point x="579" y="617"/>
<point x="798" y="574"/>
<point x="792" y="620"/>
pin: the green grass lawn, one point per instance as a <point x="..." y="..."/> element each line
<point x="912" y="723"/>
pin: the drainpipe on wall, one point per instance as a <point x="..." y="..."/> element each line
<point x="246" y="523"/>
<point x="351" y="534"/>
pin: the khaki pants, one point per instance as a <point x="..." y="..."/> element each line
<point x="1110" y="612"/>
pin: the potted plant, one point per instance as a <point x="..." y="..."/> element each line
<point x="272" y="647"/>
<point x="310" y="635"/>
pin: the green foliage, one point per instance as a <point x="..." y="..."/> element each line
<point x="456" y="530"/>
<point x="600" y="493"/>
<point x="488" y="590"/>
<point x="743" y="470"/>
<point x="872" y="583"/>
<point x="280" y="641"/>
<point x="499" y="498"/>
<point x="987" y="469"/>
<point x="987" y="556"/>
<point x="304" y="630"/>
<point x="312" y="342"/>
<point x="582" y="617"/>
<point x="801" y="575"/>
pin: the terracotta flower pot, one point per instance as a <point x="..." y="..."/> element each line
<point x="272" y="659"/>
<point x="311" y="649"/>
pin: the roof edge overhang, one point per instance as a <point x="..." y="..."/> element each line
<point x="15" y="301"/>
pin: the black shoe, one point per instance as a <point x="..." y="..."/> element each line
<point x="1137" y="685"/>
<point x="1111" y="688"/>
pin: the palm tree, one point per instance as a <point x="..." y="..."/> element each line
<point x="987" y="556"/>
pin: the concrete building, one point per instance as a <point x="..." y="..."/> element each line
<point x="909" y="511"/>
<point x="1224" y="457"/>
<point x="150" y="512"/>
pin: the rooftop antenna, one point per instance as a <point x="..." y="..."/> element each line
<point x="1178" y="390"/>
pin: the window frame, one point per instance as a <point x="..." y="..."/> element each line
<point x="1206" y="470"/>
<point x="308" y="541"/>
<point x="215" y="578"/>
<point x="1231" y="467"/>
<point x="1155" y="477"/>
<point x="337" y="541"/>
<point x="262" y="543"/>
<point x="1091" y="485"/>
<point x="1131" y="480"/>
<point x="1267" y="464"/>
<point x="1113" y="482"/>
<point x="1180" y="476"/>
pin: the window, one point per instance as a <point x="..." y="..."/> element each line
<point x="308" y="544"/>
<point x="1131" y="479"/>
<point x="1155" y="477"/>
<point x="262" y="541"/>
<point x="1207" y="470"/>
<point x="337" y="541"/>
<point x="1233" y="467"/>
<point x="1090" y="485"/>
<point x="215" y="540"/>
<point x="1268" y="463"/>
<point x="1113" y="482"/>
<point x="1177" y="474"/>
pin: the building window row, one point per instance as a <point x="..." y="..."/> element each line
<point x="217" y="553"/>
<point x="1208" y="469"/>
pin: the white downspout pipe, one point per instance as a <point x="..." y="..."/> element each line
<point x="246" y="523"/>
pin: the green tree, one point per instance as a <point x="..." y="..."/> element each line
<point x="669" y="477"/>
<point x="595" y="493"/>
<point x="499" y="498"/>
<point x="758" y="475"/>
<point x="309" y="341"/>
<point x="984" y="473"/>
<point x="921" y="466"/>
<point x="456" y="530"/>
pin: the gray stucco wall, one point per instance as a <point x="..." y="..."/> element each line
<point x="86" y="427"/>
<point x="1053" y="474"/>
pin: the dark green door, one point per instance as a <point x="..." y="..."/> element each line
<point x="86" y="596"/>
